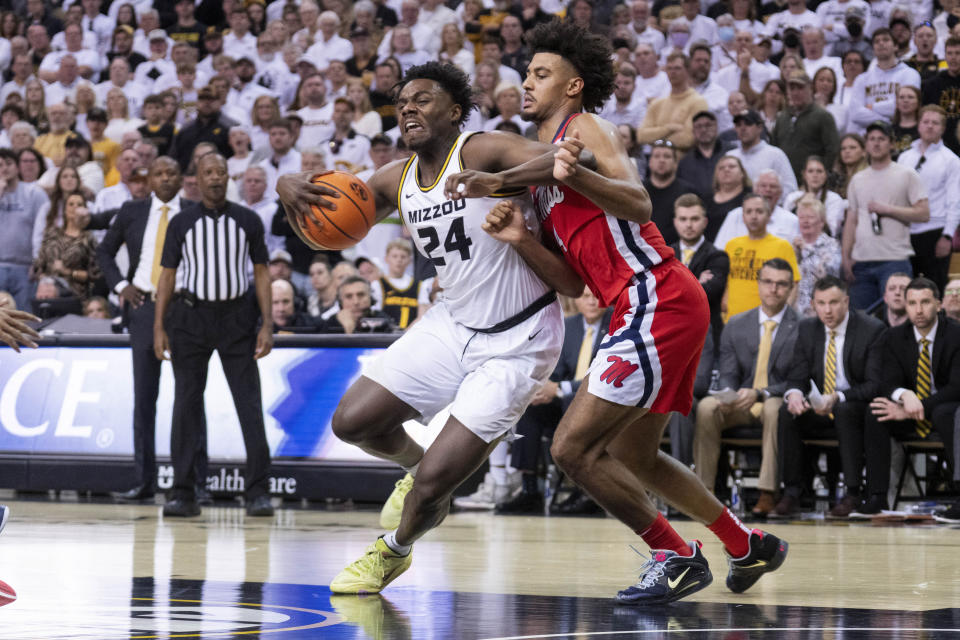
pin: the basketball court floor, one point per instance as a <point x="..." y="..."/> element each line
<point x="103" y="571"/>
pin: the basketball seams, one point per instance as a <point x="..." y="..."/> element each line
<point x="335" y="226"/>
<point x="348" y="197"/>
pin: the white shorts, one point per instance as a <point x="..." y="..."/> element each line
<point x="487" y="379"/>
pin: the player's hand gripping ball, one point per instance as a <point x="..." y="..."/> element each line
<point x="345" y="226"/>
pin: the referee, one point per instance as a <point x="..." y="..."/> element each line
<point x="214" y="310"/>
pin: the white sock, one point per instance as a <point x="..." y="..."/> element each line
<point x="498" y="463"/>
<point x="400" y="549"/>
<point x="412" y="470"/>
<point x="499" y="474"/>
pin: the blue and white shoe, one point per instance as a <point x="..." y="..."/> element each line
<point x="668" y="576"/>
<point x="4" y="514"/>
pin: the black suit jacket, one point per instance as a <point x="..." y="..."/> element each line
<point x="901" y="353"/>
<point x="708" y="257"/>
<point x="127" y="229"/>
<point x="570" y="352"/>
<point x="862" y="356"/>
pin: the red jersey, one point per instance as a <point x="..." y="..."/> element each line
<point x="607" y="252"/>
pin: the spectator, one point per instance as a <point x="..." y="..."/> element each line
<point x="730" y="185"/>
<point x="324" y="288"/>
<point x="356" y="314"/>
<point x="366" y="121"/>
<point x="625" y="106"/>
<point x="782" y="223"/>
<point x="701" y="62"/>
<point x="240" y="144"/>
<point x="924" y="60"/>
<point x="851" y="161"/>
<point x="804" y="128"/>
<point x="839" y="350"/>
<point x="80" y="156"/>
<point x="893" y="309"/>
<point x="884" y="199"/>
<point x="756" y="348"/>
<point x="52" y="145"/>
<point x="157" y="65"/>
<point x="951" y="299"/>
<point x="265" y="110"/>
<point x="671" y="118"/>
<point x="118" y="114"/>
<point x="795" y="18"/>
<point x="710" y="265"/>
<point x="283" y="157"/>
<point x="284" y="312"/>
<point x="813" y="181"/>
<point x="748" y="253"/>
<point x="664" y="188"/>
<point x="919" y="389"/>
<point x="105" y="151"/>
<point x="397" y="293"/>
<point x="756" y="155"/>
<point x="368" y="269"/>
<point x="583" y="334"/>
<point x="363" y="63"/>
<point x="814" y="58"/>
<point x="641" y="27"/>
<point x="698" y="165"/>
<point x="22" y="73"/>
<point x="97" y="307"/>
<point x="942" y="90"/>
<point x="835" y="16"/>
<point x="255" y="199"/>
<point x="817" y="253"/>
<point x="825" y="96"/>
<point x="123" y="48"/>
<point x="67" y="181"/>
<point x="905" y="119"/>
<point x="651" y="81"/>
<point x="350" y="151"/>
<point x="210" y="126"/>
<point x="855" y="19"/>
<point x="21" y="205"/>
<point x="939" y="170"/>
<point x="386" y="76"/>
<point x="874" y="91"/>
<point x="113" y="197"/>
<point x="186" y="28"/>
<point x="772" y="102"/>
<point x="328" y="45"/>
<point x="156" y="130"/>
<point x="746" y="73"/>
<point x="35" y="106"/>
<point x="68" y="252"/>
<point x="29" y="163"/>
<point x="317" y="114"/>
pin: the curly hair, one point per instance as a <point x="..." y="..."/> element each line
<point x="589" y="53"/>
<point x="450" y="78"/>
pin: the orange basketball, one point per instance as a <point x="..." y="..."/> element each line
<point x="350" y="221"/>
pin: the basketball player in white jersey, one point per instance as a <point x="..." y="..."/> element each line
<point x="485" y="348"/>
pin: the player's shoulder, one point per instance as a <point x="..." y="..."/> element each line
<point x="388" y="176"/>
<point x="590" y="123"/>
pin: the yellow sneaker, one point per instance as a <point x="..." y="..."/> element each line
<point x="378" y="618"/>
<point x="393" y="507"/>
<point x="375" y="569"/>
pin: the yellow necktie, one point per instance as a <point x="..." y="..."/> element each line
<point x="830" y="367"/>
<point x="763" y="359"/>
<point x="923" y="384"/>
<point x="586" y="350"/>
<point x="687" y="254"/>
<point x="158" y="246"/>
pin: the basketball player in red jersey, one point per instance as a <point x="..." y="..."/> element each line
<point x="608" y="441"/>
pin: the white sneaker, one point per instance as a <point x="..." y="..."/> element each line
<point x="482" y="498"/>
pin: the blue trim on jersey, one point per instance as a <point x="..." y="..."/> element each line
<point x="631" y="243"/>
<point x="562" y="129"/>
<point x="632" y="333"/>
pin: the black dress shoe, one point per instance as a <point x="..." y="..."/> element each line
<point x="582" y="506"/>
<point x="260" y="507"/>
<point x="870" y="506"/>
<point x="137" y="494"/>
<point x="204" y="497"/>
<point x="181" y="508"/>
<point x="525" y="502"/>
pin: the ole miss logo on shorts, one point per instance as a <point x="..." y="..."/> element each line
<point x="618" y="371"/>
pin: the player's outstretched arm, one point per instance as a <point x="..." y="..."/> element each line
<point x="505" y="223"/>
<point x="13" y="331"/>
<point x="615" y="186"/>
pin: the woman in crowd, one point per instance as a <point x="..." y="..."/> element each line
<point x="818" y="254"/>
<point x="485" y="83"/>
<point x="258" y="17"/>
<point x="264" y="111"/>
<point x="239" y="141"/>
<point x="366" y="121"/>
<point x="853" y="65"/>
<point x="118" y="116"/>
<point x="127" y="16"/>
<point x="401" y="48"/>
<point x="745" y="16"/>
<point x="22" y="136"/>
<point x="10" y="25"/>
<point x="772" y="101"/>
<point x="824" y="92"/>
<point x="365" y="17"/>
<point x="906" y="118"/>
<point x="453" y="51"/>
<point x="813" y="182"/>
<point x="852" y="159"/>
<point x="31" y="165"/>
<point x="35" y="106"/>
<point x="68" y="252"/>
<point x="730" y="184"/>
<point x="581" y="13"/>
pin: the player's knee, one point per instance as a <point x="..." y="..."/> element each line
<point x="569" y="458"/>
<point x="348" y="424"/>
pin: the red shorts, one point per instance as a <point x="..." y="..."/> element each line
<point x="650" y="357"/>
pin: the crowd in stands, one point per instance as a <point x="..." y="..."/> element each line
<point x="817" y="136"/>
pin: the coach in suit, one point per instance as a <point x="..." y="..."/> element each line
<point x="840" y="350"/>
<point x="141" y="226"/>
<point x="709" y="264"/>
<point x="582" y="337"/>
<point x="919" y="390"/>
<point x="756" y="348"/>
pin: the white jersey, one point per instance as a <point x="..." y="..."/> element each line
<point x="484" y="281"/>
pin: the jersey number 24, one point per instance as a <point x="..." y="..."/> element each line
<point x="456" y="241"/>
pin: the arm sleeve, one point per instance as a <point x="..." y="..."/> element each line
<point x="916" y="190"/>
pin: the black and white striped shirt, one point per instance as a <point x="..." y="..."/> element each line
<point x="214" y="247"/>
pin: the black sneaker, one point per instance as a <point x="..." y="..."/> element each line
<point x="525" y="502"/>
<point x="869" y="507"/>
<point x="950" y="516"/>
<point x="668" y="576"/>
<point x="767" y="553"/>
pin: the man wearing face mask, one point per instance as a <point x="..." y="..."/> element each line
<point x="725" y="53"/>
<point x="833" y="16"/>
<point x="854" y="22"/>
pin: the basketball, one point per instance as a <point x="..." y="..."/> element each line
<point x="349" y="223"/>
<point x="7" y="594"/>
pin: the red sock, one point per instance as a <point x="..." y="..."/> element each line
<point x="734" y="535"/>
<point x="660" y="535"/>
